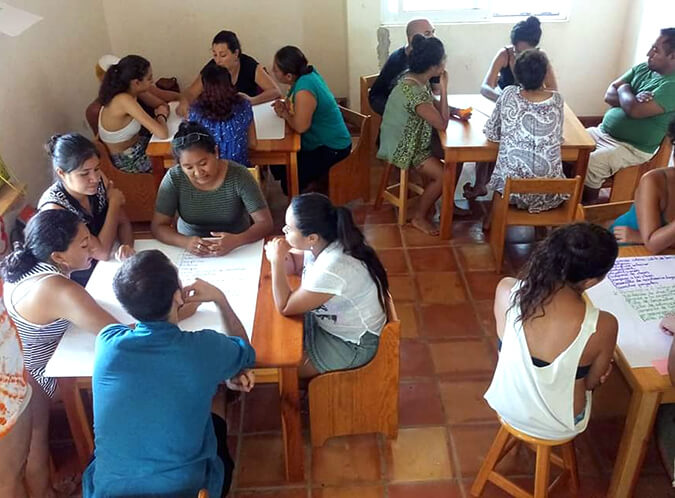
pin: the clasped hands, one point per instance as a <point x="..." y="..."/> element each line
<point x="219" y="244"/>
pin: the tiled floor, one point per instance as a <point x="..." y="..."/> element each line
<point x="443" y="293"/>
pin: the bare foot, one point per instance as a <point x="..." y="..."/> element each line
<point x="471" y="193"/>
<point x="424" y="225"/>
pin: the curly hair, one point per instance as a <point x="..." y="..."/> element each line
<point x="219" y="97"/>
<point x="569" y="255"/>
<point x="530" y="69"/>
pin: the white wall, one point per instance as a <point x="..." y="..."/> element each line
<point x="176" y="35"/>
<point x="584" y="51"/>
<point x="46" y="82"/>
<point x="646" y="18"/>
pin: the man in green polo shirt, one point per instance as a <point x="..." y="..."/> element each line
<point x="642" y="104"/>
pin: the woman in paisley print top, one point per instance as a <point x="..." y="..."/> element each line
<point x="409" y="116"/>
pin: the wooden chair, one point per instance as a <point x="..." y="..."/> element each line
<point x="399" y="197"/>
<point x="504" y="215"/>
<point x="625" y="181"/>
<point x="350" y="178"/>
<point x="602" y="214"/>
<point x="362" y="400"/>
<point x="507" y="438"/>
<point x="366" y="82"/>
<point x="139" y="189"/>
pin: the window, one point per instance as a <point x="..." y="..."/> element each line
<point x="402" y="11"/>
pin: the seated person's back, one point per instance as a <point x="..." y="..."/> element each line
<point x="153" y="386"/>
<point x="555" y="346"/>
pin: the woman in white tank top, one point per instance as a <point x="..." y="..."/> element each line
<point x="121" y="117"/>
<point x="555" y="346"/>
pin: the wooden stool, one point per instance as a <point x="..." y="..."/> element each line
<point x="400" y="200"/>
<point x="506" y="439"/>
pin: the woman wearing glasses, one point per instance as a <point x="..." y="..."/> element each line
<point x="218" y="202"/>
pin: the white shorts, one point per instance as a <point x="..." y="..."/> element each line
<point x="610" y="155"/>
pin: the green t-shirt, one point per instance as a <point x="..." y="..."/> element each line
<point x="327" y="128"/>
<point x="646" y="133"/>
<point x="225" y="209"/>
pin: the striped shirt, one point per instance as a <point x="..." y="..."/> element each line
<point x="227" y="208"/>
<point x="39" y="341"/>
<point x="13" y="386"/>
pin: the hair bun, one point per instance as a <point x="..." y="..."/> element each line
<point x="51" y="144"/>
<point x="533" y="21"/>
<point x="418" y="41"/>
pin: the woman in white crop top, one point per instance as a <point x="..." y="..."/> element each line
<point x="555" y="346"/>
<point x="121" y="117"/>
<point x="344" y="285"/>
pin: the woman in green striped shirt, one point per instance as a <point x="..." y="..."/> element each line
<point x="218" y="202"/>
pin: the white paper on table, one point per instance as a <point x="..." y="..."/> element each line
<point x="236" y="274"/>
<point x="268" y="126"/>
<point x="173" y="122"/>
<point x="15" y="21"/>
<point x="649" y="284"/>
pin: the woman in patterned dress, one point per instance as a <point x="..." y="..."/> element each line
<point x="527" y="122"/>
<point x="409" y="116"/>
<point x="43" y="302"/>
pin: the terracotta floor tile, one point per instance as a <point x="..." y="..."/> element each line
<point x="612" y="398"/>
<point x="382" y="236"/>
<point x="443" y="489"/>
<point x="472" y="444"/>
<point x="441" y="287"/>
<point x="349" y="492"/>
<point x="408" y="316"/>
<point x="476" y="257"/>
<point x="387" y="214"/>
<point x="394" y="261"/>
<point x="492" y="491"/>
<point x="653" y="486"/>
<point x="261" y="413"/>
<point x="486" y="317"/>
<point x="587" y="463"/>
<point x="359" y="213"/>
<point x="402" y="288"/>
<point x="463" y="358"/>
<point x="276" y="493"/>
<point x="415" y="238"/>
<point x="261" y="461"/>
<point x="346" y="459"/>
<point x="419" y="454"/>
<point x="515" y="257"/>
<point x="432" y="259"/>
<point x="464" y="403"/>
<point x="420" y="404"/>
<point x="467" y="232"/>
<point x="448" y="320"/>
<point x="482" y="284"/>
<point x="415" y="359"/>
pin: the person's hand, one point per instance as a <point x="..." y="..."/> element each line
<point x="244" y="381"/>
<point x="199" y="246"/>
<point x="277" y="249"/>
<point x="124" y="251"/>
<point x="187" y="310"/>
<point x="461" y="114"/>
<point x="668" y="324"/>
<point x="281" y="108"/>
<point x="625" y="235"/>
<point x="162" y="109"/>
<point x="182" y="109"/>
<point x="444" y="80"/>
<point x="222" y="243"/>
<point x="644" y="96"/>
<point x="202" y="292"/>
<point x="115" y="196"/>
<point x="605" y="376"/>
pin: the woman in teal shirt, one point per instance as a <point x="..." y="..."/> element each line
<point x="311" y="110"/>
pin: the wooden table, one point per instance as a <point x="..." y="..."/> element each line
<point x="464" y="141"/>
<point x="266" y="152"/>
<point x="277" y="341"/>
<point x="649" y="389"/>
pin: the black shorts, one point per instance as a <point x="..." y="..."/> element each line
<point x="312" y="165"/>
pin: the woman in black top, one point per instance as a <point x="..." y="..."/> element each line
<point x="248" y="76"/>
<point x="81" y="188"/>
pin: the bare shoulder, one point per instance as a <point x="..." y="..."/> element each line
<point x="503" y="291"/>
<point x="50" y="205"/>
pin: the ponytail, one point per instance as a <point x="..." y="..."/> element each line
<point x="569" y="255"/>
<point x="48" y="231"/>
<point x="119" y="76"/>
<point x="314" y="213"/>
<point x="291" y="60"/>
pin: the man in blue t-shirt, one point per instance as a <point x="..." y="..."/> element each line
<point x="153" y="386"/>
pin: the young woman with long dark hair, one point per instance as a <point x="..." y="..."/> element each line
<point x="556" y="347"/>
<point x="226" y="114"/>
<point x="344" y="289"/>
<point x="121" y="117"/>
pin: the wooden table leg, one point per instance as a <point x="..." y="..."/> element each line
<point x="158" y="169"/>
<point x="636" y="433"/>
<point x="290" y="423"/>
<point x="581" y="164"/>
<point x="77" y="419"/>
<point x="448" y="203"/>
<point x="294" y="185"/>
